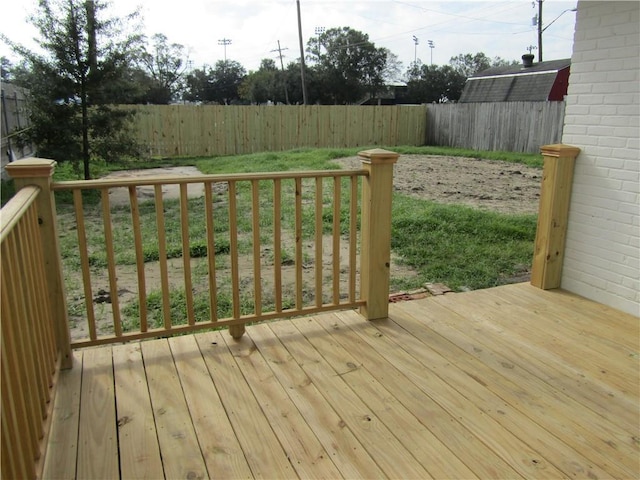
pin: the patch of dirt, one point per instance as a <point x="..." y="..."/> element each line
<point x="486" y="184"/>
<point x="120" y="196"/>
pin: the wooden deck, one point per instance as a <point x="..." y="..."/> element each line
<point x="510" y="382"/>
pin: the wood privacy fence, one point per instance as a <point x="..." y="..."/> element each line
<point x="14" y="120"/>
<point x="503" y="126"/>
<point x="185" y="130"/>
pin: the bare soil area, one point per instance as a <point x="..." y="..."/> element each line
<point x="488" y="185"/>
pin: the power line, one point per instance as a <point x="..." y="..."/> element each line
<point x="284" y="78"/>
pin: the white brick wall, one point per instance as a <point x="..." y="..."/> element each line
<point x="602" y="257"/>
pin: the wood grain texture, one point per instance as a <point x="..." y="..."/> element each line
<point x="498" y="383"/>
<point x="137" y="436"/>
<point x="98" y="438"/>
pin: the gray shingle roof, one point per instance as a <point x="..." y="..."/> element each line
<point x="513" y="83"/>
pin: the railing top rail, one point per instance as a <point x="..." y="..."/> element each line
<point x="13" y="211"/>
<point x="175" y="179"/>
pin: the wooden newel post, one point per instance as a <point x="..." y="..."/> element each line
<point x="38" y="172"/>
<point x="557" y="178"/>
<point x="375" y="255"/>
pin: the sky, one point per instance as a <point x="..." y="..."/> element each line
<point x="496" y="28"/>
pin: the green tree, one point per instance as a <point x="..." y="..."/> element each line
<point x="77" y="79"/>
<point x="348" y="65"/>
<point x="166" y="64"/>
<point x="433" y="84"/>
<point x="468" y="64"/>
<point x="268" y="83"/>
<point x="216" y="85"/>
<point x="5" y="69"/>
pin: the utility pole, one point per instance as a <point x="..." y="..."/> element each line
<point x="224" y="42"/>
<point x="540" y="2"/>
<point x="284" y="78"/>
<point x="302" y="67"/>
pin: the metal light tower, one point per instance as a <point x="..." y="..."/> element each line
<point x="431" y="46"/>
<point x="224" y="42"/>
<point x="415" y="50"/>
<point x="319" y="31"/>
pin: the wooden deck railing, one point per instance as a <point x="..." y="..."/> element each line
<point x="30" y="358"/>
<point x="249" y="217"/>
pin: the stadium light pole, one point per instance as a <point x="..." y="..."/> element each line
<point x="431" y="46"/>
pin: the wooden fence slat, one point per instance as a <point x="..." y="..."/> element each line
<point x="502" y="126"/>
<point x="170" y="130"/>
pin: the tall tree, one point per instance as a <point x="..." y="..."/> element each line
<point x="266" y="84"/>
<point x="433" y="84"/>
<point x="468" y="64"/>
<point x="348" y="64"/>
<point x="75" y="81"/>
<point x="216" y="85"/>
<point x="5" y="68"/>
<point x="166" y="64"/>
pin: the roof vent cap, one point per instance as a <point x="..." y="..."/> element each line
<point x="527" y="60"/>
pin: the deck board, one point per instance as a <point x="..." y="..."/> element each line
<point x="137" y="436"/>
<point x="98" y="438"/>
<point x="510" y="382"/>
<point x="176" y="436"/>
<point x="220" y="448"/>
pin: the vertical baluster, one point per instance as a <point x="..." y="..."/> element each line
<point x="17" y="457"/>
<point x="255" y="226"/>
<point x="211" y="253"/>
<point x="277" y="242"/>
<point x="14" y="334"/>
<point x="40" y="290"/>
<point x="186" y="252"/>
<point x="162" y="253"/>
<point x="111" y="262"/>
<point x="236" y="331"/>
<point x="337" y="198"/>
<point x="137" y="240"/>
<point x="319" y="227"/>
<point x="35" y="334"/>
<point x="84" y="262"/>
<point x="37" y="171"/>
<point x="298" y="240"/>
<point x="353" y="237"/>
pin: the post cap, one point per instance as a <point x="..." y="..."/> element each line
<point x="31" y="167"/>
<point x="378" y="155"/>
<point x="559" y="150"/>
